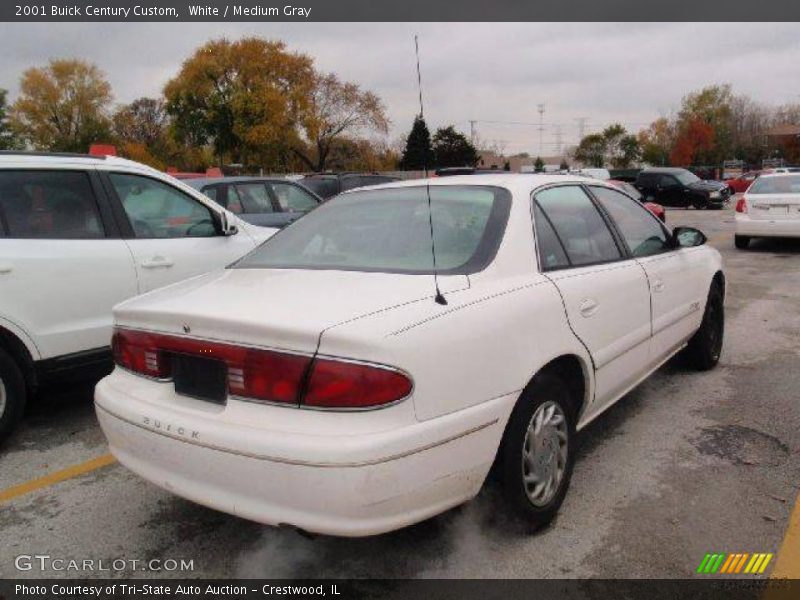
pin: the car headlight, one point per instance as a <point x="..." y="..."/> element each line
<point x="715" y="195"/>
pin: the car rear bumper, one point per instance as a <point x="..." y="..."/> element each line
<point x="368" y="482"/>
<point x="766" y="227"/>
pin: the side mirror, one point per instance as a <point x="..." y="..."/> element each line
<point x="227" y="228"/>
<point x="688" y="237"/>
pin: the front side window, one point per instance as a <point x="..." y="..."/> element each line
<point x="390" y="231"/>
<point x="668" y="181"/>
<point x="48" y="205"/>
<point x="579" y="225"/>
<point x="293" y="198"/>
<point x="638" y="227"/>
<point x="324" y="187"/>
<point x="687" y="177"/>
<point x="158" y="210"/>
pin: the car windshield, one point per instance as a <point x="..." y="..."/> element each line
<point x="779" y="184"/>
<point x="389" y="231"/>
<point x="687" y="177"/>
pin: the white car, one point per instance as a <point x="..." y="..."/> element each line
<point x="79" y="234"/>
<point x="769" y="208"/>
<point x="323" y="382"/>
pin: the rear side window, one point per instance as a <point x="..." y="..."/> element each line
<point x="49" y="205"/>
<point x="581" y="229"/>
<point x="641" y="231"/>
<point x="551" y="252"/>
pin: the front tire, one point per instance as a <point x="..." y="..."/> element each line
<point x="705" y="346"/>
<point x="741" y="241"/>
<point x="12" y="395"/>
<point x="536" y="454"/>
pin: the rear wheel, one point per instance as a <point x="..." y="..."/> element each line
<point x="12" y="395"/>
<point x="705" y="346"/>
<point x="741" y="241"/>
<point x="537" y="452"/>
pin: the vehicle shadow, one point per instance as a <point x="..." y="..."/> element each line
<point x="777" y="246"/>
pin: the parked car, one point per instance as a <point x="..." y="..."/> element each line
<point x="769" y="208"/>
<point x="631" y="190"/>
<point x="333" y="381"/>
<point x="78" y="234"/>
<point x="595" y="173"/>
<point x="451" y="171"/>
<point x="681" y="188"/>
<point x="267" y="202"/>
<point x="740" y="184"/>
<point x="328" y="185"/>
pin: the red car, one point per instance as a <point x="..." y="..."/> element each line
<point x="741" y="183"/>
<point x="628" y="188"/>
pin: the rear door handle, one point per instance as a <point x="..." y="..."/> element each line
<point x="588" y="307"/>
<point x="157" y="262"/>
<point x="6" y="269"/>
<point x="658" y="285"/>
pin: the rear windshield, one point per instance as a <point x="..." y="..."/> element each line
<point x="322" y="187"/>
<point x="779" y="184"/>
<point x="389" y="231"/>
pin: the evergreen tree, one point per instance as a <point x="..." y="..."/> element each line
<point x="418" y="153"/>
<point x="453" y="149"/>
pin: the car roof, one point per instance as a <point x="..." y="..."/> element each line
<point x="662" y="170"/>
<point x="516" y="182"/>
<point x="200" y="182"/>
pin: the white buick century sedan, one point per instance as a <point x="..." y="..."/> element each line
<point x="341" y="380"/>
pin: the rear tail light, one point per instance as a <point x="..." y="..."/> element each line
<point x="268" y="375"/>
<point x="339" y="384"/>
<point x="741" y="205"/>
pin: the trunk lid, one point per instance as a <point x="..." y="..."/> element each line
<point x="773" y="207"/>
<point x="278" y="308"/>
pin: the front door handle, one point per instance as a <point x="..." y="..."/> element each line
<point x="588" y="307"/>
<point x="157" y="262"/>
<point x="6" y="269"/>
<point x="658" y="285"/>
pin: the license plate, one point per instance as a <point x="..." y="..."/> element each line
<point x="199" y="377"/>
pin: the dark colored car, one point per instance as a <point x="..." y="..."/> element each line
<point x="449" y="171"/>
<point x="631" y="190"/>
<point x="681" y="188"/>
<point x="327" y="185"/>
<point x="267" y="202"/>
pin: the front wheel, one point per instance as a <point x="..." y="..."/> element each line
<point x="705" y="346"/>
<point x="12" y="395"/>
<point x="700" y="204"/>
<point x="537" y="452"/>
<point x="741" y="241"/>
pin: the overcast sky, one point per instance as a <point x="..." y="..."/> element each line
<point x="493" y="73"/>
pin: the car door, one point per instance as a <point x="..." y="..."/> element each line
<point x="670" y="192"/>
<point x="172" y="235"/>
<point x="62" y="262"/>
<point x="676" y="276"/>
<point x="605" y="292"/>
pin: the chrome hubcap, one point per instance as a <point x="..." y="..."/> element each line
<point x="544" y="453"/>
<point x="2" y="398"/>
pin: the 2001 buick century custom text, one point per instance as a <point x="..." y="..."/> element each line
<point x="323" y="382"/>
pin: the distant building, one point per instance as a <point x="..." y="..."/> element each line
<point x="520" y="163"/>
<point x="784" y="139"/>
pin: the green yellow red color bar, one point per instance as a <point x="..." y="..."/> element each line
<point x="730" y="564"/>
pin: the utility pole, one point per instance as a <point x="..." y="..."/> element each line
<point x="559" y="144"/>
<point x="582" y="121"/>
<point x="472" y="132"/>
<point x="540" y="108"/>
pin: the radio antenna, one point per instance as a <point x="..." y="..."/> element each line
<point x="439" y="297"/>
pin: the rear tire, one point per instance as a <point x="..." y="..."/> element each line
<point x="741" y="241"/>
<point x="12" y="395"/>
<point x="537" y="452"/>
<point x="705" y="346"/>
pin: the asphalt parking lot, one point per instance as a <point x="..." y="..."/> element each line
<point x="686" y="464"/>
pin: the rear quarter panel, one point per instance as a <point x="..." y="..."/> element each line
<point x="487" y="342"/>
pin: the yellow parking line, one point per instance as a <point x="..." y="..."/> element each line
<point x="56" y="477"/>
<point x="787" y="561"/>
